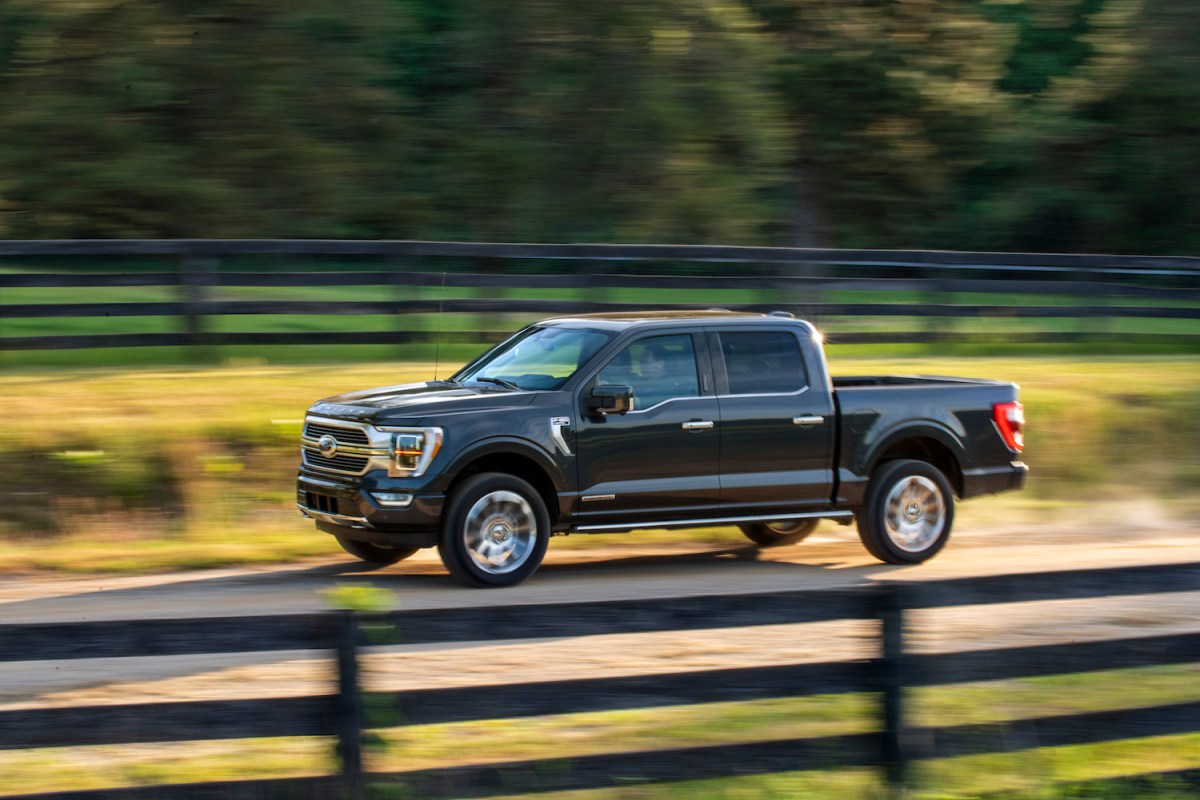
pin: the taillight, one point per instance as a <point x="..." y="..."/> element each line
<point x="1010" y="421"/>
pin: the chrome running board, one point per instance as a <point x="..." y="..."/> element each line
<point x="692" y="523"/>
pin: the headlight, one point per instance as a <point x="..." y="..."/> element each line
<point x="413" y="450"/>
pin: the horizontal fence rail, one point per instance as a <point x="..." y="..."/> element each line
<point x="166" y="637"/>
<point x="597" y="252"/>
<point x="850" y="294"/>
<point x="341" y="715"/>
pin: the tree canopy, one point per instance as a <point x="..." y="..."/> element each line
<point x="1034" y="124"/>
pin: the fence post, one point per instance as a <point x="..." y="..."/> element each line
<point x="402" y="290"/>
<point x="592" y="286"/>
<point x="890" y="665"/>
<point x="1092" y="327"/>
<point x="349" y="714"/>
<point x="931" y="290"/>
<point x="196" y="275"/>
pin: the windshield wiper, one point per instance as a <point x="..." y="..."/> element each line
<point x="499" y="382"/>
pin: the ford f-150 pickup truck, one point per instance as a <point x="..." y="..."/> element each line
<point x="615" y="422"/>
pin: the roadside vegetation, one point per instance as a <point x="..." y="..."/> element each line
<point x="146" y="469"/>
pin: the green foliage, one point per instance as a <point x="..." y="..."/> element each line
<point x="1099" y="153"/>
<point x="357" y="597"/>
<point x="169" y="119"/>
<point x="1008" y="124"/>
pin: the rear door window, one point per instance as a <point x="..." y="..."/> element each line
<point x="763" y="362"/>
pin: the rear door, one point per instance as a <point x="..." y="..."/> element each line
<point x="660" y="460"/>
<point x="777" y="421"/>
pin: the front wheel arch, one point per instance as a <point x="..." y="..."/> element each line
<point x="512" y="457"/>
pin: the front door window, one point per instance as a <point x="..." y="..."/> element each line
<point x="659" y="369"/>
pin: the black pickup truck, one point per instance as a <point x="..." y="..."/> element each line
<point x="614" y="422"/>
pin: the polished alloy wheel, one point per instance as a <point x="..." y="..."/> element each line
<point x="500" y="532"/>
<point x="915" y="513"/>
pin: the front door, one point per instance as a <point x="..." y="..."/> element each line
<point x="660" y="460"/>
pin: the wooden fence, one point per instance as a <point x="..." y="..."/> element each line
<point x="893" y="747"/>
<point x="208" y="280"/>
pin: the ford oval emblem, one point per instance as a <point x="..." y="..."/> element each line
<point x="328" y="446"/>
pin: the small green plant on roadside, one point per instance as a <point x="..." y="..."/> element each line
<point x="365" y="598"/>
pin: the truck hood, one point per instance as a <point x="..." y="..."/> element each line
<point x="410" y="400"/>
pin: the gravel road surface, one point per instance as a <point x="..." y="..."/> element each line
<point x="620" y="569"/>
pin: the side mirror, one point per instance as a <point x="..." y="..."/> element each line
<point x="610" y="400"/>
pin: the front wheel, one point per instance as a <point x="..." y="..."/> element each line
<point x="375" y="553"/>
<point x="495" y="531"/>
<point x="782" y="532"/>
<point x="908" y="513"/>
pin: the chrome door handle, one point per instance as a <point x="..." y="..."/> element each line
<point x="812" y="419"/>
<point x="698" y="425"/>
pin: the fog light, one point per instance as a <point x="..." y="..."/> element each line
<point x="392" y="499"/>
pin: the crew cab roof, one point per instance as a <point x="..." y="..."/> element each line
<point x="622" y="320"/>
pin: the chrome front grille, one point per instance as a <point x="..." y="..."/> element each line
<point x="357" y="450"/>
<point x="355" y="465"/>
<point x="350" y="436"/>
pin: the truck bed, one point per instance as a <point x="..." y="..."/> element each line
<point x="956" y="412"/>
<point x="854" y="381"/>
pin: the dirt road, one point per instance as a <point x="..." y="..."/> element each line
<point x="622" y="569"/>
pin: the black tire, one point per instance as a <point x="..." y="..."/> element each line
<point x="908" y="513"/>
<point x="778" y="534"/>
<point x="494" y="531"/>
<point x="375" y="553"/>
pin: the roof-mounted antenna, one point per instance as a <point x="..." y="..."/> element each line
<point x="437" y="330"/>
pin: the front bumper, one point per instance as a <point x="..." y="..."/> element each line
<point x="995" y="479"/>
<point x="348" y="510"/>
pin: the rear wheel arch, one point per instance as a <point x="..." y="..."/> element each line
<point x="930" y="445"/>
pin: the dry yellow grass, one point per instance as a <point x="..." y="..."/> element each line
<point x="147" y="469"/>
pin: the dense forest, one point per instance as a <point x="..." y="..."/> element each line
<point x="1064" y="125"/>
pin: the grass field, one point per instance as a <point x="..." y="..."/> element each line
<point x="1026" y="774"/>
<point x="149" y="469"/>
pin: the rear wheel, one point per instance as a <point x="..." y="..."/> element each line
<point x="375" y="553"/>
<point x="908" y="513"/>
<point x="495" y="531"/>
<point x="781" y="532"/>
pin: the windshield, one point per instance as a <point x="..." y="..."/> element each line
<point x="536" y="358"/>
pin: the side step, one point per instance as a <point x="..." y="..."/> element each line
<point x="695" y="523"/>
